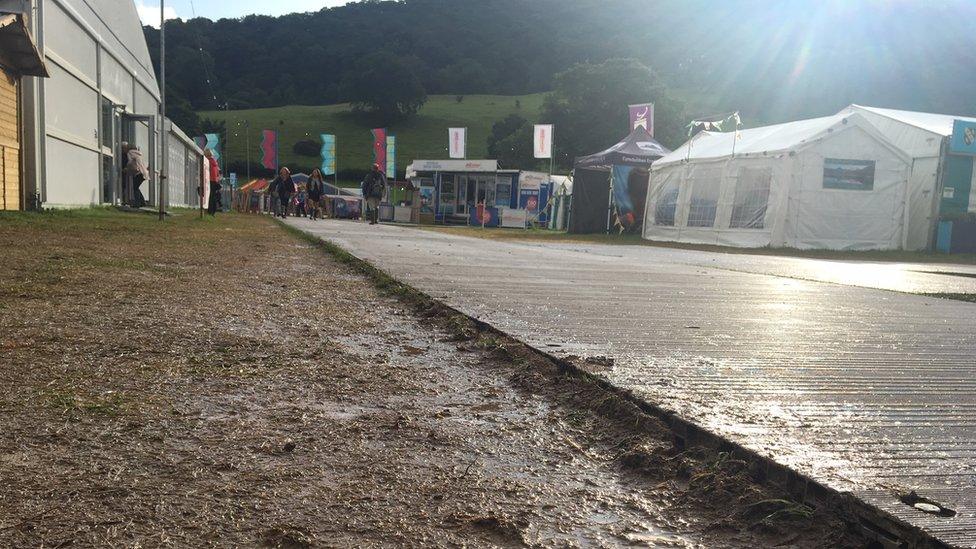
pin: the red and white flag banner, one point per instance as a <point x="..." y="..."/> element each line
<point x="542" y="146"/>
<point x="457" y="142"/>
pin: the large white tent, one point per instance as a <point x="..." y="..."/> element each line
<point x="835" y="182"/>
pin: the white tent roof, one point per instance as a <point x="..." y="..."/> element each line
<point x="754" y="141"/>
<point x="940" y="124"/>
<point x="562" y="182"/>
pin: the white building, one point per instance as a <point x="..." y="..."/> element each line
<point x="102" y="92"/>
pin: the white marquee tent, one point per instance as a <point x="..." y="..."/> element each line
<point x="835" y="182"/>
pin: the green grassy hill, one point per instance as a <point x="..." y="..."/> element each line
<point x="423" y="136"/>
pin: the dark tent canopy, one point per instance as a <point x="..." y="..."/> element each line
<point x="590" y="211"/>
<point x="638" y="149"/>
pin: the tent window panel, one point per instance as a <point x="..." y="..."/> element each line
<point x="704" y="202"/>
<point x="850" y="175"/>
<point x="665" y="207"/>
<point x="751" y="198"/>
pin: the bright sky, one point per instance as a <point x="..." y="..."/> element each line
<point x="216" y="9"/>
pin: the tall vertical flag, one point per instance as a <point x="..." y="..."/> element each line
<point x="213" y="143"/>
<point x="642" y="116"/>
<point x="457" y="140"/>
<point x="542" y="146"/>
<point x="391" y="156"/>
<point x="269" y="149"/>
<point x="328" y="154"/>
<point x="200" y="141"/>
<point x="379" y="147"/>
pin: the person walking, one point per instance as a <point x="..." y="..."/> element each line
<point x="282" y="187"/>
<point x="136" y="172"/>
<point x="314" y="192"/>
<point x="214" y="191"/>
<point x="374" y="188"/>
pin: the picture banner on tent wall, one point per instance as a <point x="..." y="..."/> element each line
<point x="622" y="205"/>
<point x="642" y="116"/>
<point x="629" y="194"/>
<point x="542" y="143"/>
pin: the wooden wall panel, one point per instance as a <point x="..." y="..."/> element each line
<point x="9" y="143"/>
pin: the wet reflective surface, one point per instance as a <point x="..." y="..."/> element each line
<point x="809" y="362"/>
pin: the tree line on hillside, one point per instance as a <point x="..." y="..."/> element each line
<point x="771" y="60"/>
<point x="588" y="116"/>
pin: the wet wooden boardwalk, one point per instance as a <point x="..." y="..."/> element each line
<point x="867" y="390"/>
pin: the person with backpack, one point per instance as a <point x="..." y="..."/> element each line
<point x="282" y="187"/>
<point x="374" y="189"/>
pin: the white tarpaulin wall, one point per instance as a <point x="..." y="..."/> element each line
<point x="832" y="183"/>
<point x="920" y="135"/>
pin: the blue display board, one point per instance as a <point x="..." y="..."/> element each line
<point x="490" y="217"/>
<point x="963" y="137"/>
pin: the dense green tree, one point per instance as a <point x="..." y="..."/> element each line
<point x="385" y="85"/>
<point x="588" y="106"/>
<point x="510" y="142"/>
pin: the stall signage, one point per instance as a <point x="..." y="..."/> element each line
<point x="455" y="165"/>
<point x="529" y="200"/>
<point x="531" y="181"/>
<point x="963" y="137"/>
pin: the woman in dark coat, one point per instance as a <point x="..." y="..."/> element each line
<point x="315" y="192"/>
<point x="283" y="187"/>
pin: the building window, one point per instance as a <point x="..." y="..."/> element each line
<point x="704" y="201"/>
<point x="665" y="207"/>
<point x="108" y="123"/>
<point x="849" y="175"/>
<point x="751" y="198"/>
<point x="447" y="198"/>
<point x="503" y="191"/>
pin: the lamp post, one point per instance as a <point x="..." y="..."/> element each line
<point x="247" y="147"/>
<point x="164" y="156"/>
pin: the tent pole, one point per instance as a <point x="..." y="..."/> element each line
<point x="735" y="137"/>
<point x="610" y="201"/>
<point x="552" y="159"/>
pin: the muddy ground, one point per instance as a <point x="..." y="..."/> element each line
<point x="224" y="383"/>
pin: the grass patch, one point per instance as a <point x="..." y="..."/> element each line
<point x="73" y="405"/>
